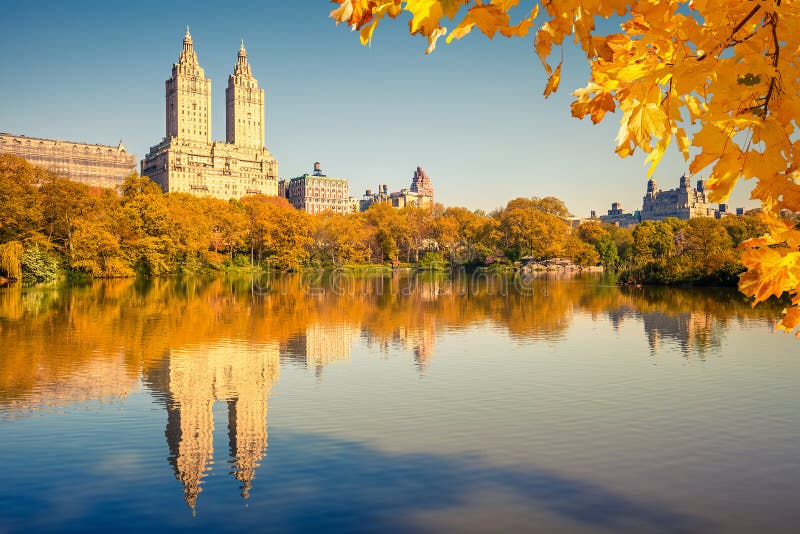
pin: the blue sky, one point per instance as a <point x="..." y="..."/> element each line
<point x="471" y="114"/>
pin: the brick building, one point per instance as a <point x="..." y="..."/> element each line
<point x="315" y="193"/>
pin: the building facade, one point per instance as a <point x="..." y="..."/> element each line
<point x="422" y="186"/>
<point x="94" y="165"/>
<point x="420" y="194"/>
<point x="188" y="160"/>
<point x="315" y="193"/>
<point x="683" y="203"/>
<point x="617" y="216"/>
<point x="371" y="198"/>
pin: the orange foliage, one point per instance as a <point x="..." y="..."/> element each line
<point x="717" y="76"/>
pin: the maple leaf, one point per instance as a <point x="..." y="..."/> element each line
<point x="488" y="18"/>
<point x="553" y="81"/>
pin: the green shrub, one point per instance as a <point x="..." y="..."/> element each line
<point x="432" y="261"/>
<point x="38" y="265"/>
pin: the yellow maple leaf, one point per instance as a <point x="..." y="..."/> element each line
<point x="488" y="18"/>
<point x="553" y="81"/>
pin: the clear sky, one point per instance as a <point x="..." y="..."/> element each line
<point x="471" y="114"/>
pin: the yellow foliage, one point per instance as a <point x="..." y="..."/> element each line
<point x="10" y="254"/>
<point x="727" y="68"/>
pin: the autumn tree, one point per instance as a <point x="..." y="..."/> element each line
<point x="718" y="77"/>
<point x="277" y="232"/>
<point x="653" y="240"/>
<point x="390" y="231"/>
<point x="598" y="235"/>
<point x="579" y="252"/>
<point x="529" y="230"/>
<point x="341" y="238"/>
<point x="97" y="249"/>
<point x="145" y="227"/>
<point x="466" y="236"/>
<point x="11" y="259"/>
<point x="20" y="209"/>
<point x="228" y="225"/>
<point x="190" y="229"/>
<point x="418" y="230"/>
<point x="744" y="227"/>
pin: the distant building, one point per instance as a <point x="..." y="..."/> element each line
<point x="725" y="211"/>
<point x="187" y="160"/>
<point x="617" y="216"/>
<point x="420" y="194"/>
<point x="315" y="193"/>
<point x="421" y="185"/>
<point x="353" y="204"/>
<point x="94" y="165"/>
<point x="404" y="198"/>
<point x="682" y="203"/>
<point x="371" y="198"/>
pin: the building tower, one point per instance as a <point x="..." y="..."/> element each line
<point x="189" y="97"/>
<point x="244" y="106"/>
<point x="188" y="160"/>
<point x="421" y="183"/>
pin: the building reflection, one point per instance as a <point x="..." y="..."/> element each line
<point x="190" y="381"/>
<point x="102" y="378"/>
<point x="320" y="345"/>
<point x="420" y="341"/>
<point x="219" y="341"/>
<point x="688" y="330"/>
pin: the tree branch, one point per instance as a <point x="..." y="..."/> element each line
<point x="744" y="21"/>
<point x="773" y="82"/>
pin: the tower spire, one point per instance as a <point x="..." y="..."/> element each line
<point x="188" y="54"/>
<point x="244" y="104"/>
<point x="242" y="66"/>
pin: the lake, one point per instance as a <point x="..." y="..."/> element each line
<point x="395" y="403"/>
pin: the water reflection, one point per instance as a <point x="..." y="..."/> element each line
<point x="320" y="345"/>
<point x="195" y="342"/>
<point x="189" y="381"/>
<point x="53" y="338"/>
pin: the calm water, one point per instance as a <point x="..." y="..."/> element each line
<point x="395" y="404"/>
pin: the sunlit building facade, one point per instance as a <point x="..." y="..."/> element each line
<point x="419" y="195"/>
<point x="685" y="202"/>
<point x="188" y="160"/>
<point x="315" y="193"/>
<point x="94" y="165"/>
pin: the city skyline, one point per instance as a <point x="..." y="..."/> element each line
<point x="479" y="126"/>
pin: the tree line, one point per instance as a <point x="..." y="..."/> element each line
<point x="50" y="225"/>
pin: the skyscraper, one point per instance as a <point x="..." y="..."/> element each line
<point x="187" y="159"/>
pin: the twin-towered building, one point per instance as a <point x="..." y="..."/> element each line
<point x="685" y="202"/>
<point x="187" y="159"/>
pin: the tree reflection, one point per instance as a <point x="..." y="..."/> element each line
<point x="115" y="330"/>
<point x="196" y="341"/>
